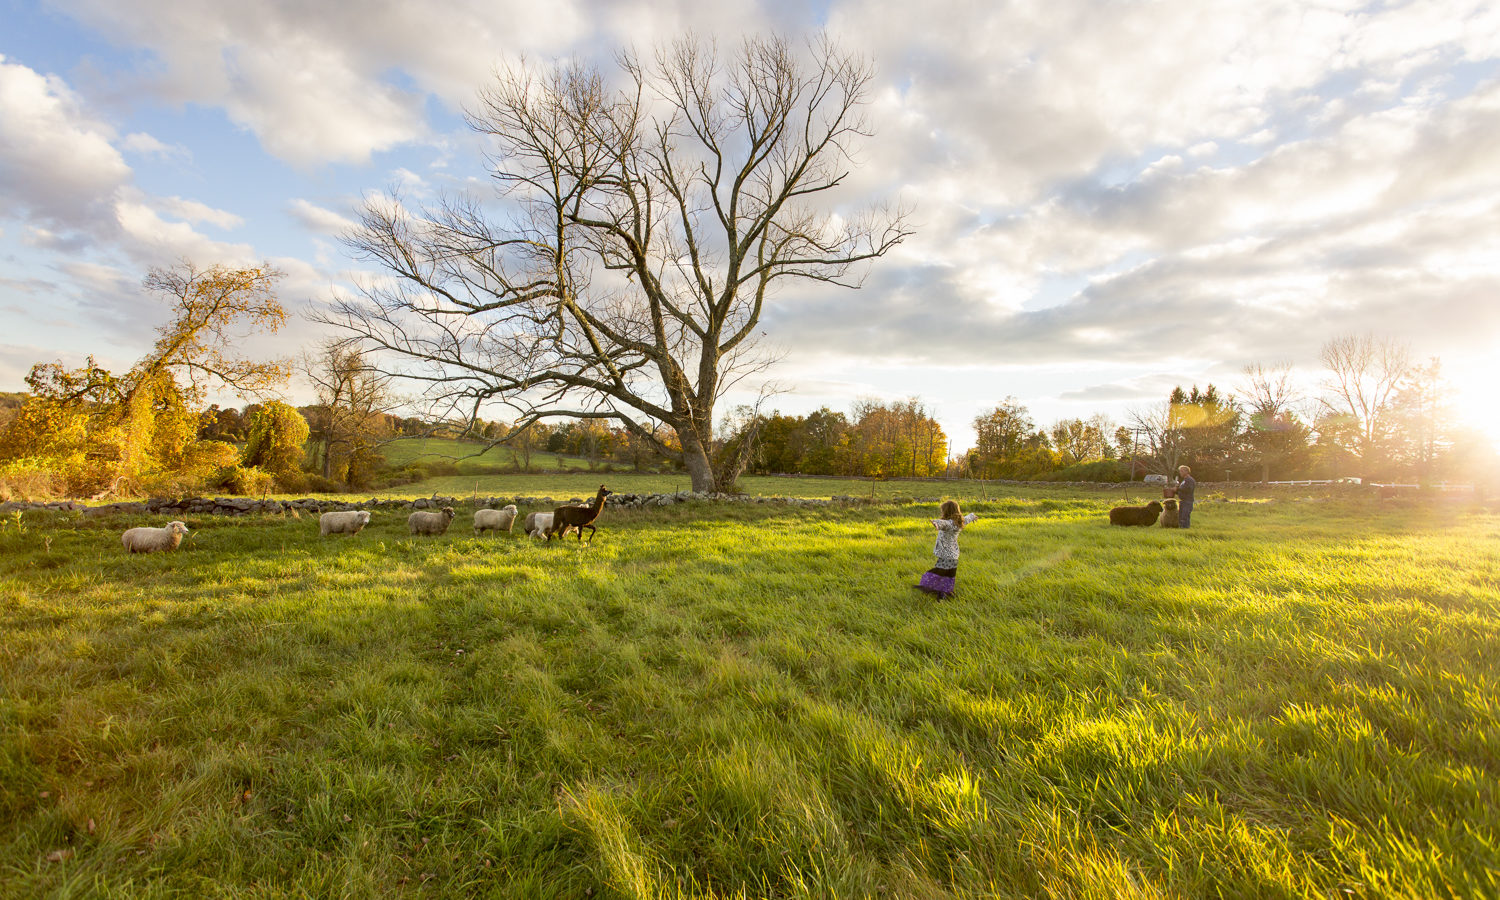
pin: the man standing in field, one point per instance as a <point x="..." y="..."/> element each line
<point x="1184" y="493"/>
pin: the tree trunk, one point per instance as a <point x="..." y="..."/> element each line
<point x="695" y="457"/>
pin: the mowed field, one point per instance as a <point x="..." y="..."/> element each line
<point x="549" y="481"/>
<point x="468" y="456"/>
<point x="1290" y="700"/>
<point x="584" y="485"/>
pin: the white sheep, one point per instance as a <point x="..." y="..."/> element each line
<point x="149" y="540"/>
<point x="430" y="522"/>
<point x="502" y="519"/>
<point x="347" y="522"/>
<point x="537" y="524"/>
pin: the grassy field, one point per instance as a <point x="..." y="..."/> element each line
<point x="584" y="484"/>
<point x="467" y="455"/>
<point x="476" y="476"/>
<point x="1291" y="700"/>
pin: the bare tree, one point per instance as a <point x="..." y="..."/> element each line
<point x="1162" y="430"/>
<point x="739" y="443"/>
<point x="352" y="402"/>
<point x="1365" y="373"/>
<point x="523" y="444"/>
<point x="1268" y="390"/>
<point x="1274" y="434"/>
<point x="645" y="228"/>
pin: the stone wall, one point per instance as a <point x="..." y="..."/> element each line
<point x="240" y="506"/>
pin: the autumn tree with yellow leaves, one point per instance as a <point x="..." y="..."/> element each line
<point x="88" y="432"/>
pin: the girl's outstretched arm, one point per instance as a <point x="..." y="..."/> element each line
<point x="971" y="518"/>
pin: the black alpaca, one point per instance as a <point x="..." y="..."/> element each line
<point x="580" y="517"/>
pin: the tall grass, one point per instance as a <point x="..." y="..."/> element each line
<point x="1292" y="699"/>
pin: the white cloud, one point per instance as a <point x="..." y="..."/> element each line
<point x="408" y="182"/>
<point x="143" y="144"/>
<point x="309" y="103"/>
<point x="60" y="170"/>
<point x="337" y="82"/>
<point x="193" y="211"/>
<point x="91" y="232"/>
<point x="312" y="81"/>
<point x="56" y="161"/>
<point x="323" y="221"/>
<point x="145" y="232"/>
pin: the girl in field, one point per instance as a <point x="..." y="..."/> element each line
<point x="942" y="577"/>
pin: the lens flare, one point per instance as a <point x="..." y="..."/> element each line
<point x="1476" y="396"/>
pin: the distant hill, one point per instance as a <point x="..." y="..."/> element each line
<point x="10" y="401"/>
<point x="430" y="451"/>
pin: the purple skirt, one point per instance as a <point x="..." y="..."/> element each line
<point x="939" y="581"/>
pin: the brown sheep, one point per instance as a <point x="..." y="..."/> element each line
<point x="1145" y="516"/>
<point x="1169" y="514"/>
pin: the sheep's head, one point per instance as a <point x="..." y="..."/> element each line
<point x="177" y="528"/>
<point x="448" y="512"/>
<point x="510" y="508"/>
<point x="364" y="517"/>
<point x="1154" y="506"/>
<point x="1171" y="505"/>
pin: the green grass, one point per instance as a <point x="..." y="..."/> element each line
<point x="1291" y="700"/>
<point x="584" y="484"/>
<point x="477" y="476"/>
<point x="467" y="456"/>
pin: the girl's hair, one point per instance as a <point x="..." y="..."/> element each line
<point x="952" y="513"/>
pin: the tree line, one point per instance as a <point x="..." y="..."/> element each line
<point x="1376" y="414"/>
<point x="90" y="432"/>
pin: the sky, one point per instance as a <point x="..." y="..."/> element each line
<point x="1110" y="198"/>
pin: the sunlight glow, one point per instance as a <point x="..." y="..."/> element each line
<point x="1476" y="395"/>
